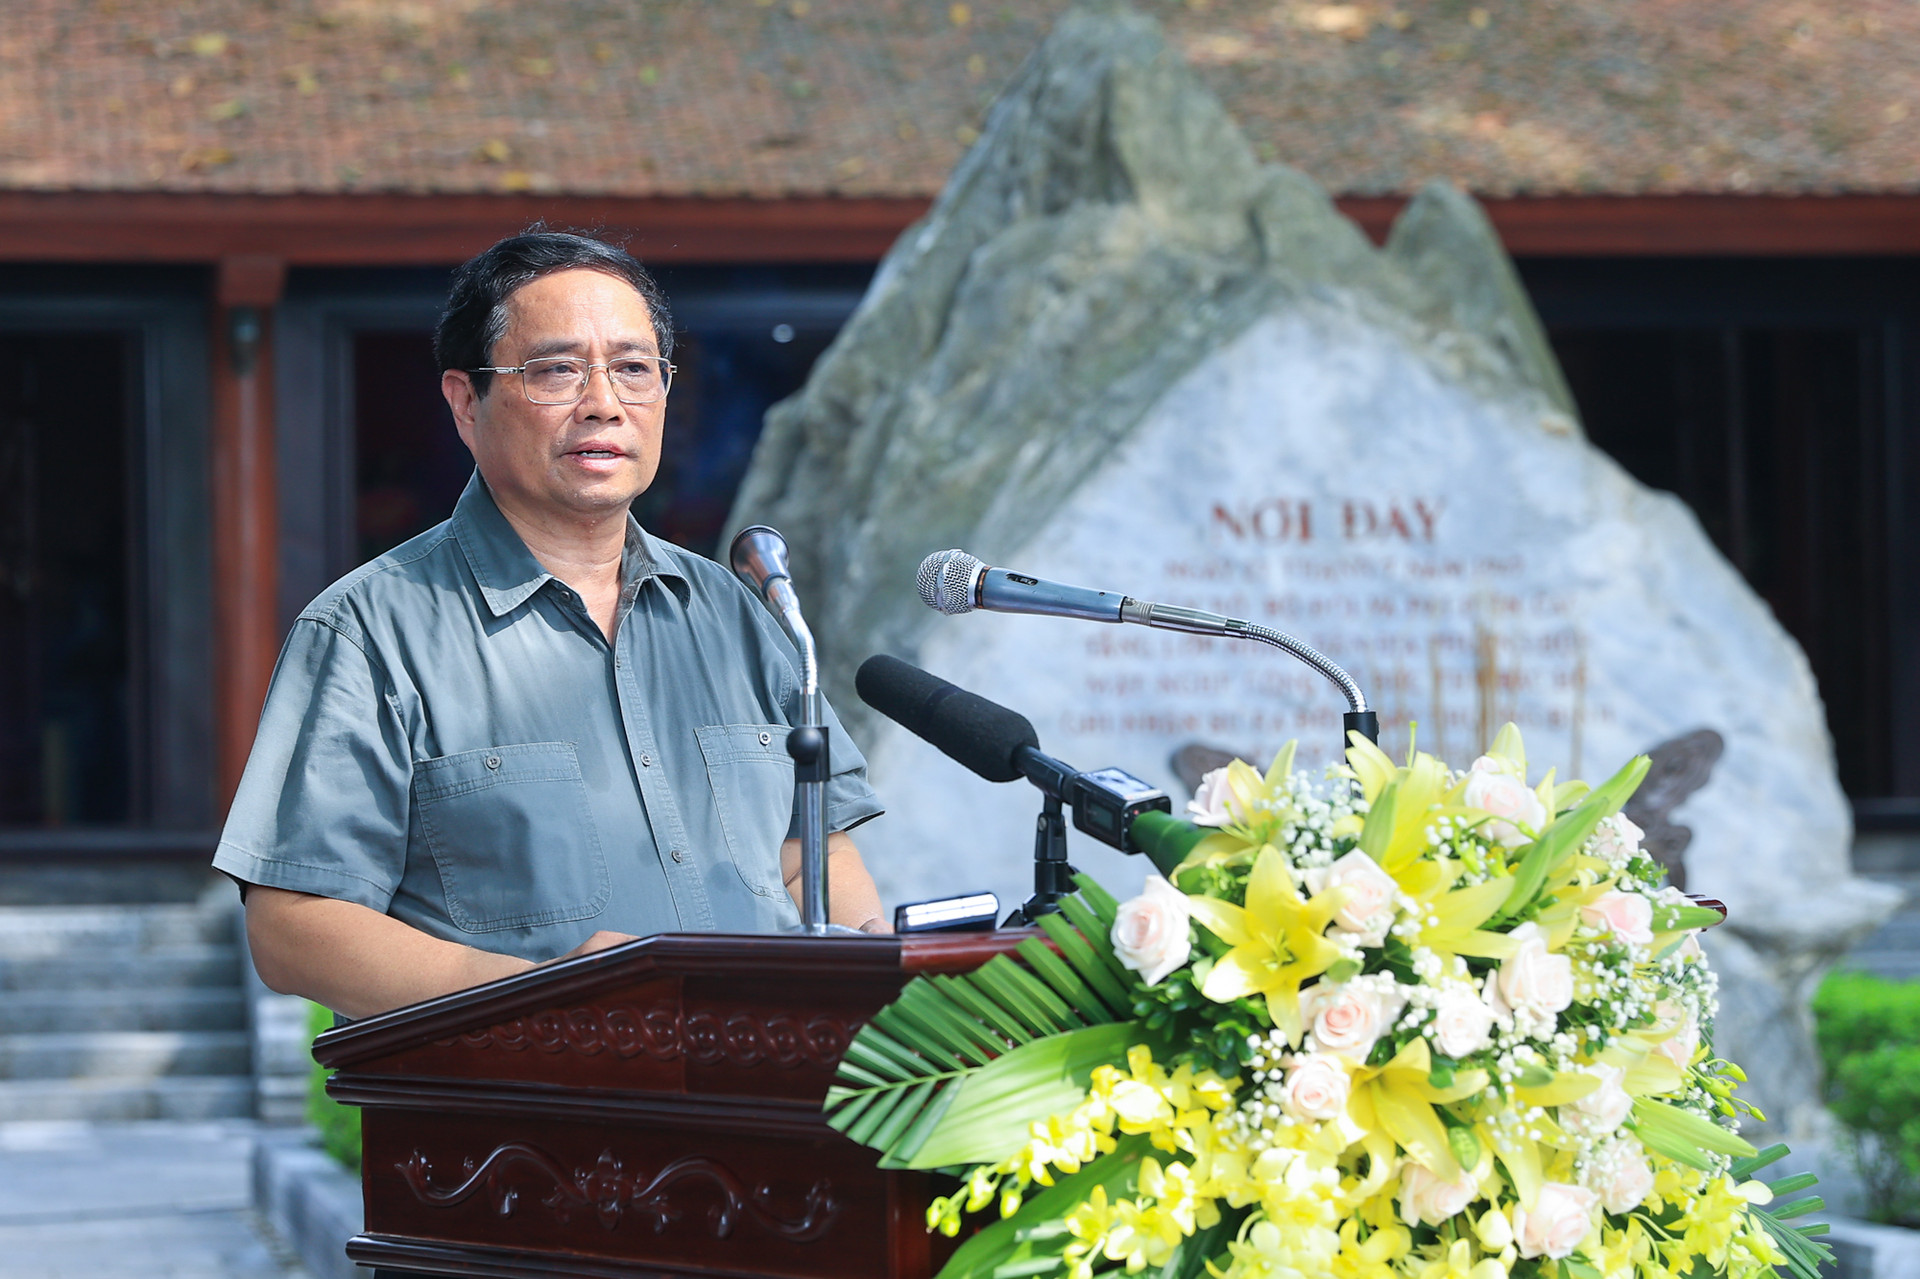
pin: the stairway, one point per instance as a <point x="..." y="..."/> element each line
<point x="1891" y="858"/>
<point x="119" y="1012"/>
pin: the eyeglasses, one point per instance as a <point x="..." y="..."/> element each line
<point x="562" y="379"/>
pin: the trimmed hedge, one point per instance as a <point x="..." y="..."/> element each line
<point x="339" y="1125"/>
<point x="1869" y="1035"/>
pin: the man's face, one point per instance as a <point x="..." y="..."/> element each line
<point x="585" y="459"/>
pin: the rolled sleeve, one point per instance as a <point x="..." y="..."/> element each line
<point x="850" y="800"/>
<point x="323" y="806"/>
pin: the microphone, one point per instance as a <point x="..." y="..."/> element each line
<point x="954" y="582"/>
<point x="1000" y="745"/>
<point x="759" y="558"/>
<point x="984" y="737"/>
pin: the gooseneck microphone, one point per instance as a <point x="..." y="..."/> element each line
<point x="954" y="582"/>
<point x="759" y="558"/>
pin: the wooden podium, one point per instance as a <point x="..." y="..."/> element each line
<point x="650" y="1110"/>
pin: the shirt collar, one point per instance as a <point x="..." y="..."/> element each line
<point x="507" y="572"/>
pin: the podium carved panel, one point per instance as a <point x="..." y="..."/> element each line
<point x="652" y="1110"/>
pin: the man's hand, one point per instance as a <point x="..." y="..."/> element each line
<point x="602" y="940"/>
<point x="359" y="962"/>
<point x="852" y="900"/>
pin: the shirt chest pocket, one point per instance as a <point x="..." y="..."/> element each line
<point x="513" y="837"/>
<point x="751" y="776"/>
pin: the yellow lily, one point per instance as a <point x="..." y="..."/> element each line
<point x="1563" y="1087"/>
<point x="1373" y="1259"/>
<point x="1450" y="920"/>
<point x="1398" y="1099"/>
<point x="1401" y="805"/>
<point x="1518" y="1153"/>
<point x="1277" y="940"/>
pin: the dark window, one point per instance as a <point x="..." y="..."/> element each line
<point x="67" y="623"/>
<point x="1774" y="436"/>
<point x="409" y="463"/>
<point x="728" y="379"/>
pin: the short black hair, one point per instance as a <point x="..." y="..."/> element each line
<point x="476" y="314"/>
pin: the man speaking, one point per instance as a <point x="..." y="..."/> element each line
<point x="535" y="730"/>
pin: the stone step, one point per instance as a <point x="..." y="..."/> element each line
<point x="30" y="932"/>
<point x="113" y="969"/>
<point x="112" y="1100"/>
<point x="1895" y="965"/>
<point x="39" y="1012"/>
<point x="125" y="1054"/>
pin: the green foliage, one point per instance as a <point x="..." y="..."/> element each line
<point x="339" y="1125"/>
<point x="954" y="1070"/>
<point x="1858" y="1012"/>
<point x="1869" y="1036"/>
<point x="1567" y="833"/>
<point x="1207" y="1035"/>
<point x="1807" y="1257"/>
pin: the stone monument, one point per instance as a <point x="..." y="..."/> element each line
<point x="1121" y="352"/>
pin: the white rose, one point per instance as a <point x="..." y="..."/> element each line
<point x="1618" y="1172"/>
<point x="1150" y="933"/>
<point x="1628" y="916"/>
<point x="1427" y="1200"/>
<point x="1616" y="839"/>
<point x="1462" y="1022"/>
<point x="1604" y="1109"/>
<point x="1367" y="911"/>
<point x="1559" y="1219"/>
<point x="1533" y="981"/>
<point x="1491" y="789"/>
<point x="1316" y="1087"/>
<point x="1348" y="1019"/>
<point x="1212" y="804"/>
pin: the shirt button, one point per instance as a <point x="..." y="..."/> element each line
<point x="679" y="855"/>
<point x="646" y="761"/>
<point x="493" y="761"/>
<point x="766" y="739"/>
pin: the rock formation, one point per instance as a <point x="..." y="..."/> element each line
<point x="1120" y="351"/>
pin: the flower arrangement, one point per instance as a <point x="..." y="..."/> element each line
<point x="1399" y="1023"/>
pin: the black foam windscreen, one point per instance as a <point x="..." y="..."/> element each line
<point x="984" y="736"/>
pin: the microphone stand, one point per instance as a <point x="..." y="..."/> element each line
<point x="1358" y="718"/>
<point x="759" y="557"/>
<point x="1052" y="874"/>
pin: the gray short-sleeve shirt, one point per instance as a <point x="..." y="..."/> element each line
<point x="450" y="739"/>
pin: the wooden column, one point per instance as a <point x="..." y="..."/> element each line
<point x="244" y="506"/>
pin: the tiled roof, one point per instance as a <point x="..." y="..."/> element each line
<point x="765" y="98"/>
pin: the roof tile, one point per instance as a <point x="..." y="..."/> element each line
<point x="755" y="98"/>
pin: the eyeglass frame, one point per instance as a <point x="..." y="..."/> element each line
<point x="666" y="383"/>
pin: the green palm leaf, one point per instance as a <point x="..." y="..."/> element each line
<point x="988" y="1119"/>
<point x="1807" y="1258"/>
<point x="955" y="1069"/>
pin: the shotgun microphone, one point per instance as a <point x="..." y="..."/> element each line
<point x="1000" y="745"/>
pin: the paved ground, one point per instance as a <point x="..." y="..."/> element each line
<point x="150" y="1199"/>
